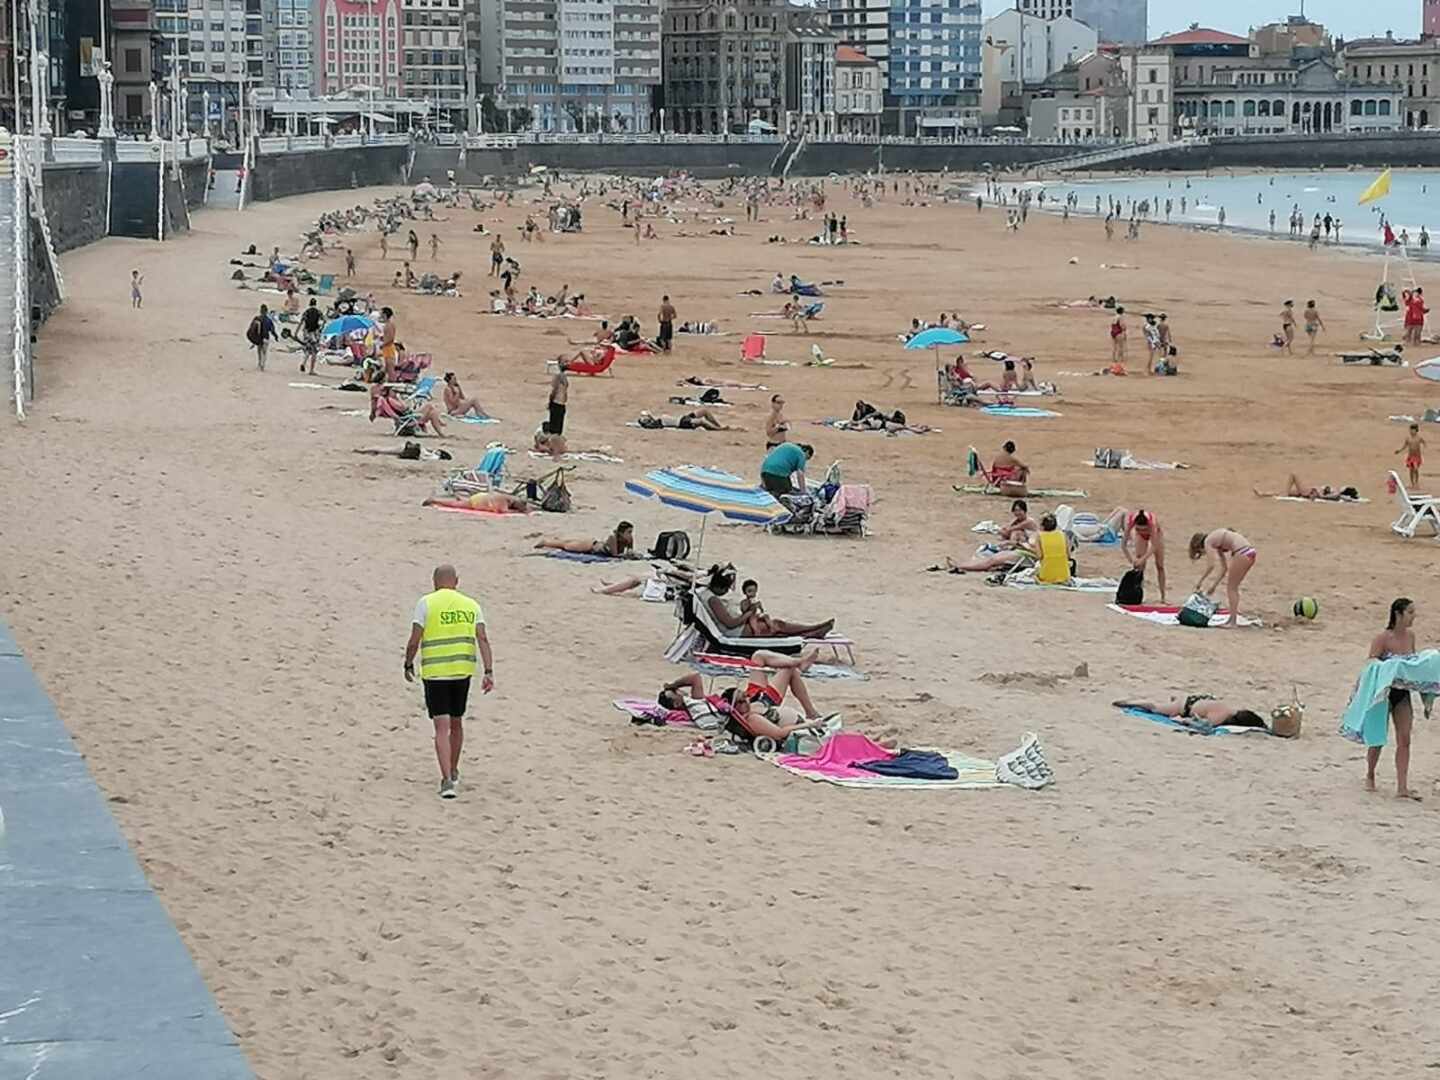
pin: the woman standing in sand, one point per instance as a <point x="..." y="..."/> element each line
<point x="1229" y="557"/>
<point x="1118" y="332"/>
<point x="1397" y="639"/>
<point x="1313" y="325"/>
<point x="1287" y="325"/>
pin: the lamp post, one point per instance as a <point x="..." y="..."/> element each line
<point x="154" y="111"/>
<point x="205" y="110"/>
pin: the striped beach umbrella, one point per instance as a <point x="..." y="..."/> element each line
<point x="710" y="491"/>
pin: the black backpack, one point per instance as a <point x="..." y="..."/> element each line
<point x="254" y="333"/>
<point x="1132" y="587"/>
<point x="671" y="546"/>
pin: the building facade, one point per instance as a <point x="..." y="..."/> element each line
<point x="810" y="75"/>
<point x="434" y="65"/>
<point x="219" y="47"/>
<point x="1067" y="117"/>
<point x="295" y="52"/>
<point x="1148" y="73"/>
<point x="359" y="47"/>
<point x="864" y="25"/>
<point x="1122" y="22"/>
<point x="725" y="64"/>
<point x="1414" y="65"/>
<point x="580" y="65"/>
<point x="859" y="98"/>
<point x="1032" y="49"/>
<point x="1430" y="19"/>
<point x="934" y="66"/>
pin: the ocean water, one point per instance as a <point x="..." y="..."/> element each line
<point x="1414" y="199"/>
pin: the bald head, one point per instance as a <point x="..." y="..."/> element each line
<point x="446" y="577"/>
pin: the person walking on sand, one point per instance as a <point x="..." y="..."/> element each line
<point x="1287" y="326"/>
<point x="497" y="256"/>
<point x="447" y="631"/>
<point x="413" y="242"/>
<point x="136" y="280"/>
<point x="1397" y="639"/>
<point x="384" y="245"/>
<point x="311" y="320"/>
<point x="1415" y="312"/>
<point x="1414" y="451"/>
<point x="1229" y="557"/>
<point x="349" y="263"/>
<point x="1313" y="325"/>
<point x="260" y="333"/>
<point x="666" y="318"/>
<point x="559" y="398"/>
<point x="1118" y="333"/>
<point x="434" y="247"/>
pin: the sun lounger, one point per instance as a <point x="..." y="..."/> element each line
<point x="694" y="614"/>
<point x="1416" y="510"/>
<point x="1374" y="358"/>
<point x="593" y="367"/>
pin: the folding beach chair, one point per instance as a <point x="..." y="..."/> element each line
<point x="752" y="348"/>
<point x="1415" y="510"/>
<point x="486" y="476"/>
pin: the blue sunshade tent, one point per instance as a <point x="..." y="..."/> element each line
<point x="348" y="324"/>
<point x="935" y="337"/>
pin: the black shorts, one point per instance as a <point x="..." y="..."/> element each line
<point x="557" y="418"/>
<point x="447" y="697"/>
<point x="667" y="332"/>
<point x="776" y="485"/>
<point x="1398" y="697"/>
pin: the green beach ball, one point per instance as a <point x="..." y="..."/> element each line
<point x="1306" y="607"/>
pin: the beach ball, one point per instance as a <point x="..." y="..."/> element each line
<point x="1306" y="607"/>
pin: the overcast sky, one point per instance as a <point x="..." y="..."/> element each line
<point x="1346" y="18"/>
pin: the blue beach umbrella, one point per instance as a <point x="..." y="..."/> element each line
<point x="710" y="491"/>
<point x="935" y="337"/>
<point x="348" y="324"/>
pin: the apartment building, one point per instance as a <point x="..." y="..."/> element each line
<point x="934" y="66"/>
<point x="434" y="64"/>
<point x="359" y="47"/>
<point x="1122" y="22"/>
<point x="809" y="75"/>
<point x="864" y="25"/>
<point x="1413" y="65"/>
<point x="294" y="47"/>
<point x="725" y="64"/>
<point x="580" y="65"/>
<point x="859" y="99"/>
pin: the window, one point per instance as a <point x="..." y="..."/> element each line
<point x="1229" y="108"/>
<point x="1384" y="108"/>
<point x="1278" y="108"/>
<point x="1264" y="108"/>
<point x="1154" y="116"/>
<point x="1369" y="108"/>
<point x="132" y="61"/>
<point x="1248" y="108"/>
<point x="134" y="106"/>
<point x="1153" y="75"/>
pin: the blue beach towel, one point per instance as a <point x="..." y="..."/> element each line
<point x="573" y="556"/>
<point x="1367" y="716"/>
<point x="1016" y="410"/>
<point x="1171" y="722"/>
<point x="474" y="419"/>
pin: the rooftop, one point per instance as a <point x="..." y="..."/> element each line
<point x="844" y="54"/>
<point x="1199" y="35"/>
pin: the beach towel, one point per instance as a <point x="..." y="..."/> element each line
<point x="1169" y="615"/>
<point x="579" y="455"/>
<point x="1025" y="579"/>
<point x="1367" y="716"/>
<point x="651" y="710"/>
<point x="574" y="556"/>
<point x="1022" y="411"/>
<point x="474" y="419"/>
<point x="1299" y="498"/>
<point x="1191" y="726"/>
<point x="1128" y="462"/>
<point x="733" y="666"/>
<point x="1034" y="493"/>
<point x="840" y="756"/>
<point x="477" y="512"/>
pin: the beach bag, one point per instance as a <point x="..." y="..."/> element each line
<point x="671" y="546"/>
<point x="254" y="333"/>
<point x="410" y="452"/>
<point x="1287" y="720"/>
<point x="1197" y="610"/>
<point x="1132" y="588"/>
<point x="556" y="499"/>
<point x="711" y="396"/>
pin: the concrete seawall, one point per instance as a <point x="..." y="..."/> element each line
<point x="279" y="175"/>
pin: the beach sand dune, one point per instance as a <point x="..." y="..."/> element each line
<point x="217" y="592"/>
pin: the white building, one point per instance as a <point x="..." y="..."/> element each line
<point x="1069" y="117"/>
<point x="1148" y="72"/>
<point x="1032" y="49"/>
<point x="859" y="100"/>
<point x="1123" y="22"/>
<point x="219" y="47"/>
<point x="295" y="54"/>
<point x="809" y="75"/>
<point x="864" y="25"/>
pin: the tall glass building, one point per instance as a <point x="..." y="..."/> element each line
<point x="933" y="66"/>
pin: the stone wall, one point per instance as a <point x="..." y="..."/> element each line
<point x="278" y="175"/>
<point x="1410" y="149"/>
<point x="75" y="204"/>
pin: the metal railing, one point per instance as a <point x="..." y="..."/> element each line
<point x="511" y="141"/>
<point x="71" y="151"/>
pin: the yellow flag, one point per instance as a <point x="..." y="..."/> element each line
<point x="1378" y="190"/>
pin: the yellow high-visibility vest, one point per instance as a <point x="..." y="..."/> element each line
<point x="447" y="645"/>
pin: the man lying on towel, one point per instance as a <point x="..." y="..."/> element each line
<point x="1199" y="711"/>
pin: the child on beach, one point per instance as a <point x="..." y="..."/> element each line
<point x="1413" y="450"/>
<point x="136" y="280"/>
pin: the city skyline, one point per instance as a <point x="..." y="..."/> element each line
<point x="1341" y="17"/>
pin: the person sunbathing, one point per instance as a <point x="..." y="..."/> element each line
<point x="409" y="415"/>
<point x="456" y="403"/>
<point x="495" y="502"/>
<point x="1296" y="490"/>
<point x="747" y="721"/>
<point x="702" y="419"/>
<point x="620" y="544"/>
<point x="985" y="563"/>
<point x="1202" y="709"/>
<point x="1027" y="375"/>
<point x="549" y="443"/>
<point x="730" y="616"/>
<point x="1008" y="474"/>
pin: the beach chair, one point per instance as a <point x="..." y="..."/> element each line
<point x="325" y="285"/>
<point x="1415" y="510"/>
<point x="696" y="620"/>
<point x="486" y="476"/>
<point x="752" y="349"/>
<point x="424" y="388"/>
<point x="593" y="367"/>
<point x="846" y="513"/>
<point x="812" y="311"/>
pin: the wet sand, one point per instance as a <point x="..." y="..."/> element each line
<point x="216" y="592"/>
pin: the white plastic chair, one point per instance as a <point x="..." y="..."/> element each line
<point x="1415" y="511"/>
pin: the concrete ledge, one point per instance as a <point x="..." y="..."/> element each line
<point x="95" y="981"/>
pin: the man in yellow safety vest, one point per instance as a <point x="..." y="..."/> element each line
<point x="448" y="630"/>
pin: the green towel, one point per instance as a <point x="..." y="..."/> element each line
<point x="1367" y="717"/>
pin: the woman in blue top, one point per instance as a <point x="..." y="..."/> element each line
<point x="782" y="464"/>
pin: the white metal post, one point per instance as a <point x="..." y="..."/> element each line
<point x="160" y="198"/>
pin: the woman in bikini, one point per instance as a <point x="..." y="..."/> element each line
<point x="1397" y="639"/>
<point x="1149" y="540"/>
<point x="776" y="426"/>
<point x="1202" y="709"/>
<point x="1229" y="557"/>
<point x="618" y="545"/>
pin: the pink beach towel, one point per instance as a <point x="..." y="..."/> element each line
<point x="648" y="709"/>
<point x="837" y="757"/>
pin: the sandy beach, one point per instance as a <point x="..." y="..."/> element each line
<point x="216" y="592"/>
